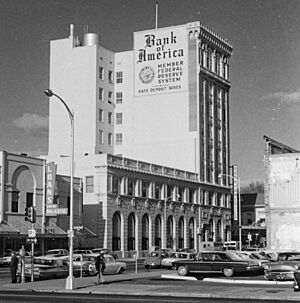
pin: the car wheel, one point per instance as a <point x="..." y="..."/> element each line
<point x="182" y="271"/>
<point x="121" y="270"/>
<point x="228" y="272"/>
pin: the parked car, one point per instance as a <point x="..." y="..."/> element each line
<point x="82" y="251"/>
<point x="105" y="251"/>
<point x="284" y="267"/>
<point x="47" y="268"/>
<point x="154" y="259"/>
<point x="168" y="262"/>
<point x="111" y="265"/>
<point x="57" y="252"/>
<point x="221" y="262"/>
<point x="253" y="255"/>
<point x="82" y="263"/>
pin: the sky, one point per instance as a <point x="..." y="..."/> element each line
<point x="264" y="67"/>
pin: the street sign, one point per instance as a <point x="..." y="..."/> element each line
<point x="31" y="233"/>
<point x="57" y="211"/>
<point x="31" y="240"/>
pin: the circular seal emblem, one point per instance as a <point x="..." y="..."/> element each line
<point x="146" y="74"/>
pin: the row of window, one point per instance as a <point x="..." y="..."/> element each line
<point x="119" y="75"/>
<point x="119" y="138"/>
<point x="119" y="96"/>
<point x="119" y="117"/>
<point x="147" y="189"/>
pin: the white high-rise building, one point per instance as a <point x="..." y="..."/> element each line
<point x="166" y="101"/>
<point x="163" y="106"/>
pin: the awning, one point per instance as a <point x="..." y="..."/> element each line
<point x="8" y="229"/>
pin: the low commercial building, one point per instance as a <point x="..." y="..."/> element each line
<point x="282" y="195"/>
<point x="22" y="186"/>
<point x="133" y="206"/>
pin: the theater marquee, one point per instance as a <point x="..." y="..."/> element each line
<point x="161" y="63"/>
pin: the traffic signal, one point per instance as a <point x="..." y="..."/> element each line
<point x="30" y="214"/>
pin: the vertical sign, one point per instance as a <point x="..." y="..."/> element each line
<point x="50" y="182"/>
<point x="235" y="193"/>
<point x="161" y="61"/>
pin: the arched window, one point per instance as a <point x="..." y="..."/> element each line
<point x="191" y="233"/>
<point x="131" y="232"/>
<point x="145" y="232"/>
<point x="181" y="233"/>
<point x="158" y="231"/>
<point x="116" y="232"/>
<point x="219" y="235"/>
<point x="170" y="235"/>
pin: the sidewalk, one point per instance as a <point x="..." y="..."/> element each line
<point x="194" y="289"/>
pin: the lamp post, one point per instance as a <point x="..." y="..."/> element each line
<point x="69" y="281"/>
<point x="238" y="181"/>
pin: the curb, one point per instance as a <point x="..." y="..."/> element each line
<point x="228" y="281"/>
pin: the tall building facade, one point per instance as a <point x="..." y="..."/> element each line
<point x="165" y="102"/>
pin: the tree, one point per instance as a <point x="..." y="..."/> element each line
<point x="253" y="187"/>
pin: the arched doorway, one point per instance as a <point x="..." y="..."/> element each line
<point x="145" y="232"/>
<point x="131" y="232"/>
<point x="170" y="232"/>
<point x="181" y="233"/>
<point x="191" y="233"/>
<point x="219" y="234"/>
<point x="158" y="231"/>
<point x="116" y="231"/>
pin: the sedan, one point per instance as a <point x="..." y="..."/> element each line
<point x="219" y="262"/>
<point x="177" y="256"/>
<point x="154" y="259"/>
<point x="45" y="268"/>
<point x="111" y="265"/>
<point x="285" y="266"/>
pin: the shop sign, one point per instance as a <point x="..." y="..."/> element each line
<point x="50" y="182"/>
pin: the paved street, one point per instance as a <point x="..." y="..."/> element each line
<point x="163" y="284"/>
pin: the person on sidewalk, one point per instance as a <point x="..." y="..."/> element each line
<point x="14" y="267"/>
<point x="100" y="266"/>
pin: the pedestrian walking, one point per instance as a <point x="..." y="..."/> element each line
<point x="100" y="266"/>
<point x="14" y="267"/>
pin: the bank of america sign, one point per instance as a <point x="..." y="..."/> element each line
<point x="161" y="61"/>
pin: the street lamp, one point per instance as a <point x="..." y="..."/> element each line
<point x="69" y="281"/>
<point x="238" y="181"/>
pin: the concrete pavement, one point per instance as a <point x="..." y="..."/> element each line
<point x="195" y="289"/>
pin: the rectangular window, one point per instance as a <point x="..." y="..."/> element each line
<point x="131" y="187"/>
<point x="119" y="138"/>
<point x="145" y="189"/>
<point x="114" y="184"/>
<point x="110" y="96"/>
<point x="110" y="76"/>
<point x="15" y="202"/>
<point x="110" y="118"/>
<point x="157" y="191"/>
<point x="101" y="72"/>
<point x="100" y="93"/>
<point x="101" y="115"/>
<point x="109" y="138"/>
<point x="89" y="184"/>
<point x="119" y="97"/>
<point x="119" y="78"/>
<point x="101" y="139"/>
<point x="119" y="117"/>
